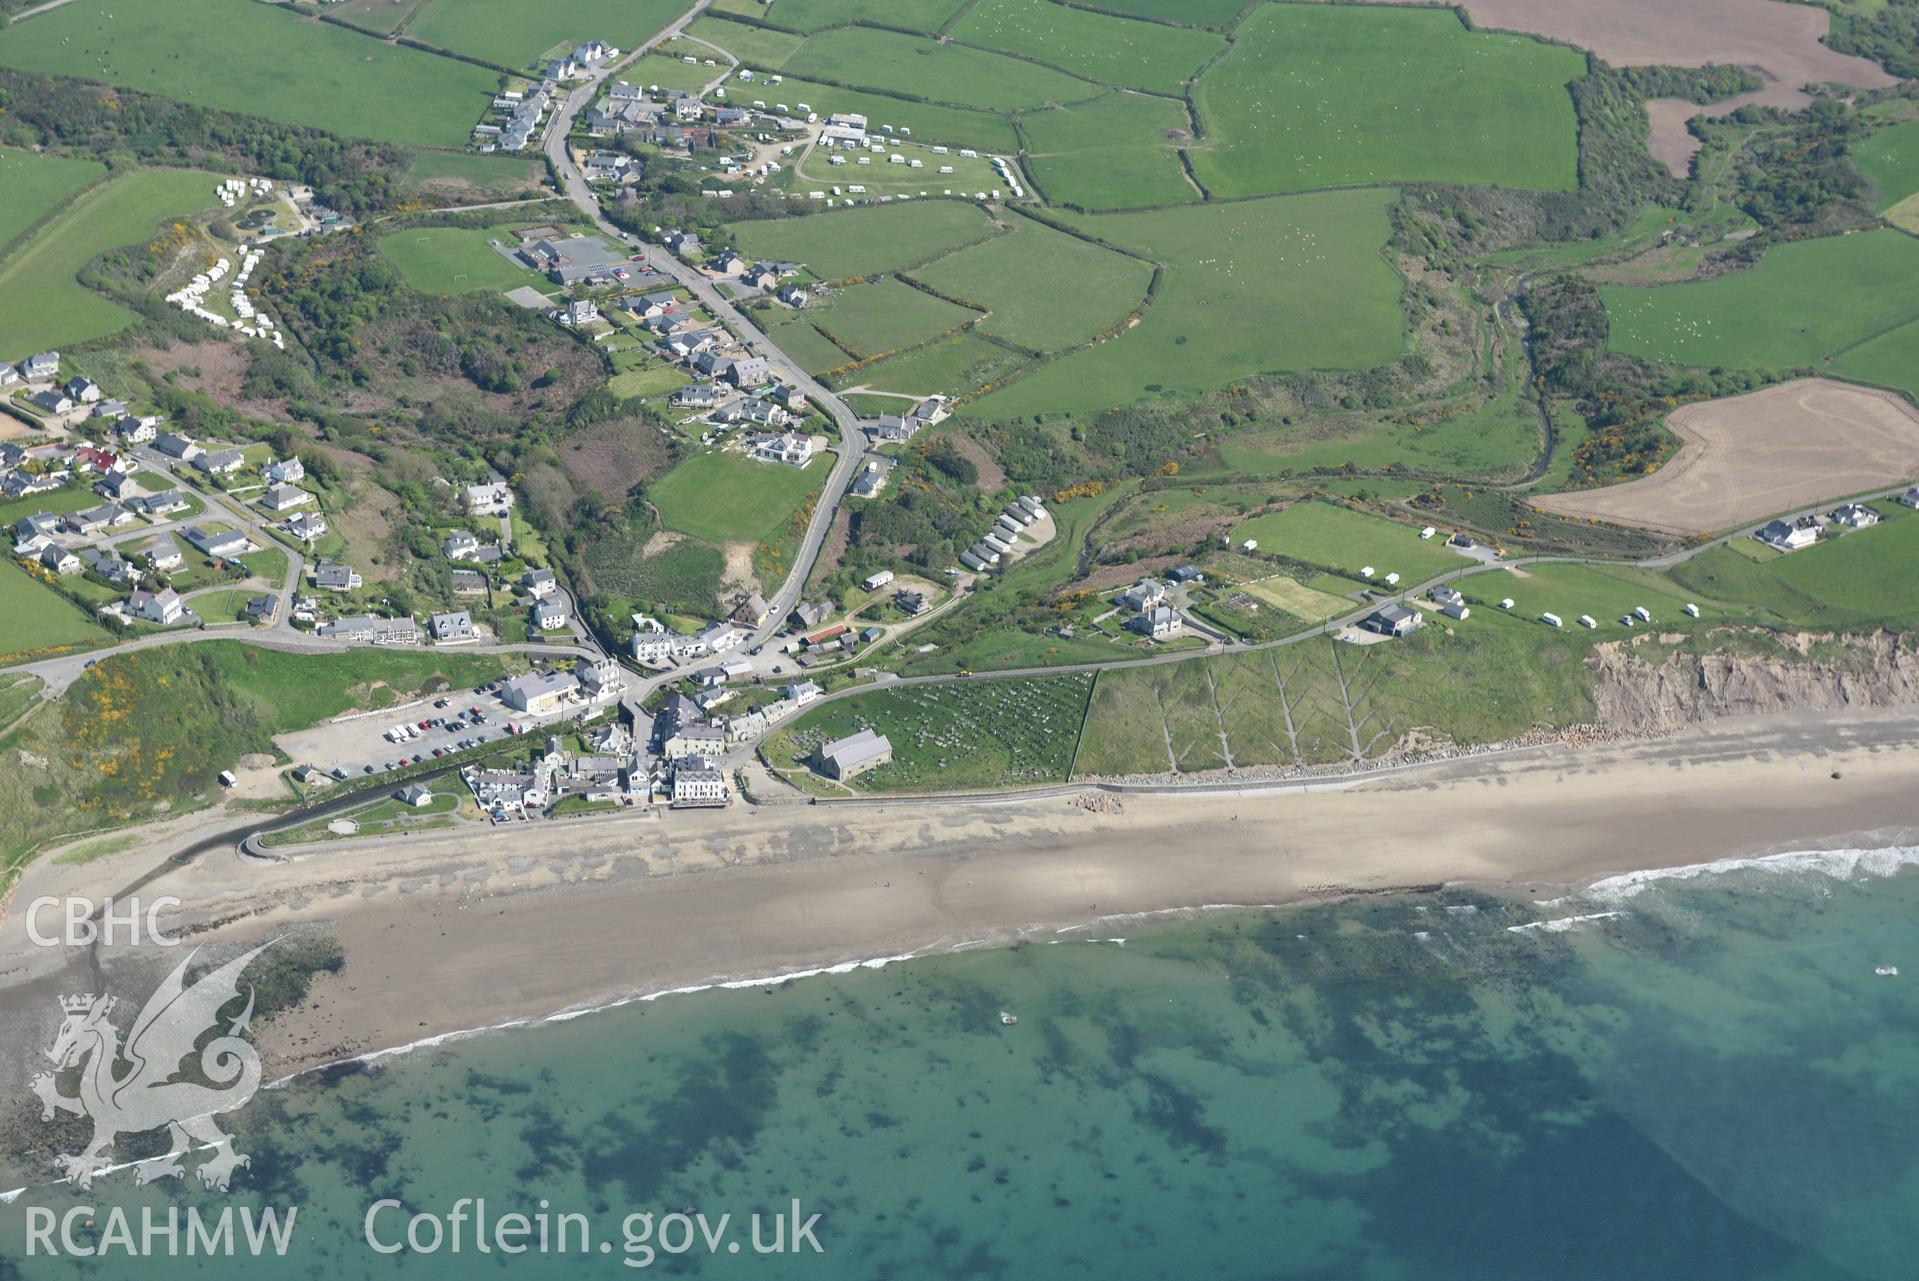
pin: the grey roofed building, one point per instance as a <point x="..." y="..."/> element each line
<point x="696" y="396"/>
<point x="367" y="629"/>
<point x="44" y="365"/>
<point x="468" y="582"/>
<point x="165" y="553"/>
<point x="332" y="576"/>
<point x="221" y="462"/>
<point x="51" y="402"/>
<point x="283" y="497"/>
<point x="455" y="626"/>
<point x="223" y="545"/>
<point x="1391" y="620"/>
<point x="855" y="754"/>
<point x="810" y="614"/>
<point x="161" y="504"/>
<point x="1157" y="622"/>
<point x="260" y="607"/>
<point x="570" y="261"/>
<point x="539" y="692"/>
<point x="174" y="445"/>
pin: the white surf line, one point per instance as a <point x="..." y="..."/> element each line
<point x="8" y="1198"/>
<point x="1560" y="925"/>
<point x="1839" y="864"/>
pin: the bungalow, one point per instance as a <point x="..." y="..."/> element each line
<point x="494" y="496"/>
<point x="1788" y="536"/>
<point x="284" y="498"/>
<point x="787" y="447"/>
<point x="871" y="479"/>
<point x="1444" y="595"/>
<point x="110" y="409"/>
<point x="38" y="525"/>
<point x="220" y="463"/>
<point x="332" y="576"/>
<point x="59" y="561"/>
<point x="110" y="565"/>
<point x="289" y="471"/>
<point x="696" y="396"/>
<point x="1854" y="515"/>
<point x="223" y="545"/>
<point x="95" y="519"/>
<point x="1910" y="498"/>
<point x="41" y="367"/>
<point x="170" y="444"/>
<point x="162" y="504"/>
<point x="415" y="795"/>
<point x="456" y="626"/>
<point x="163" y="607"/>
<point x="1391" y="620"/>
<point x="52" y="403"/>
<point x="164" y="554"/>
<point x="847" y="757"/>
<point x="1187" y="574"/>
<point x="468" y="582"/>
<point x="305" y="526"/>
<point x="1158" y="622"/>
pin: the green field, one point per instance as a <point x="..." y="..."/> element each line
<point x="812" y="15"/>
<point x="930" y="122"/>
<point x="1890" y="158"/>
<point x="868" y="240"/>
<point x="727" y="497"/>
<point x="663" y="72"/>
<point x="1250" y="287"/>
<point x="1335" y="95"/>
<point x="685" y="576"/>
<point x="1117" y="51"/>
<point x="759" y="47"/>
<point x="32" y="186"/>
<point x="1346" y="541"/>
<point x="1803" y="302"/>
<point x="122" y="211"/>
<point x="953" y="366"/>
<point x="1863" y="579"/>
<point x="1605" y="592"/>
<point x="886" y="315"/>
<point x="1210" y="13"/>
<point x="812" y="350"/>
<point x="456" y="260"/>
<point x="1045" y="290"/>
<point x="949" y="73"/>
<point x="1116" y="152"/>
<point x="1891" y="359"/>
<point x="256" y="59"/>
<point x="1323" y="702"/>
<point x="513" y="34"/>
<point x="1005" y="733"/>
<point x="34" y="619"/>
<point x="467" y="174"/>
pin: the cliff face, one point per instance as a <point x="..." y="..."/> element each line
<point x="1807" y="672"/>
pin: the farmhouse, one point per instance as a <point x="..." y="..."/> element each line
<point x="1159" y="622"/>
<point x="1391" y="620"/>
<point x="853" y="755"/>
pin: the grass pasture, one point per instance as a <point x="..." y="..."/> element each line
<point x="1891" y="359"/>
<point x="32" y="186"/>
<point x="1250" y="287"/>
<point x="814" y="15"/>
<point x="812" y="350"/>
<point x="1323" y="702"/>
<point x="1207" y="13"/>
<point x="1607" y="593"/>
<point x="1116" y="51"/>
<point x="868" y="240"/>
<point x="885" y="315"/>
<point x="1861" y="579"/>
<point x="723" y="496"/>
<point x="947" y="73"/>
<point x="34" y="619"/>
<point x="512" y="34"/>
<point x="1803" y="302"/>
<point x="758" y="47"/>
<point x="1116" y="152"/>
<point x="1308" y="604"/>
<point x="1346" y="541"/>
<point x="261" y="60"/>
<point x="119" y="212"/>
<point x="985" y="734"/>
<point x="473" y="177"/>
<point x="1044" y="290"/>
<point x="955" y="366"/>
<point x="1316" y="95"/>
<point x="455" y="260"/>
<point x="1890" y="158"/>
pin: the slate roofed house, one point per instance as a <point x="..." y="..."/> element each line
<point x="468" y="582"/>
<point x="161" y="504"/>
<point x="164" y="554"/>
<point x="220" y="545"/>
<point x="696" y="396"/>
<point x="332" y="576"/>
<point x="871" y="479"/>
<point x="284" y="498"/>
<point x="1143" y="595"/>
<point x="581" y="311"/>
<point x="809" y="614"/>
<point x="460" y="545"/>
<point x="1788" y="536"/>
<point x="136" y="431"/>
<point x="222" y="462"/>
<point x="1910" y="498"/>
<point x="52" y="402"/>
<point x="1855" y="515"/>
<point x="290" y="471"/>
<point x="161" y="607"/>
<point x="305" y="526"/>
<point x="1187" y="574"/>
<point x="368" y="629"/>
<point x="59" y="561"/>
<point x="261" y="608"/>
<point x="110" y="565"/>
<point x="549" y="615"/>
<point x="847" y="757"/>
<point x="892" y="428"/>
<point x="456" y="626"/>
<point x="763" y="413"/>
<point x="38" y="525"/>
<point x="1158" y="622"/>
<point x="110" y="409"/>
<point x="1391" y="620"/>
<point x="698" y="781"/>
<point x="492" y="496"/>
<point x="171" y="444"/>
<point x="752" y="611"/>
<point x="747" y="371"/>
<point x="40" y="367"/>
<point x="793" y="295"/>
<point x="788" y="447"/>
<point x="540" y="583"/>
<point x="84" y="390"/>
<point x="911" y="603"/>
<point x="10" y="375"/>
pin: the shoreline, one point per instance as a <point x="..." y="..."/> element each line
<point x="470" y="933"/>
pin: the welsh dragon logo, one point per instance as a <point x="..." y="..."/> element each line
<point x="137" y="1087"/>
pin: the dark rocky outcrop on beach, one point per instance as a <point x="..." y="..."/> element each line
<point x="1646" y="687"/>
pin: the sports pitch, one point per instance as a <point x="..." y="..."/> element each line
<point x="455" y="260"/>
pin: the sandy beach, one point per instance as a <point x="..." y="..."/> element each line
<point x="450" y="933"/>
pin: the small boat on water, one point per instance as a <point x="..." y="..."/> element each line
<point x="1008" y="1019"/>
<point x="1887" y="971"/>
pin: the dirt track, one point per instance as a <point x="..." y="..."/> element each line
<point x="1747" y="457"/>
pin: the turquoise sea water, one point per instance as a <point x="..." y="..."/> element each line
<point x="1713" y="1084"/>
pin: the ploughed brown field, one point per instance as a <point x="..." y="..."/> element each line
<point x="1749" y="457"/>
